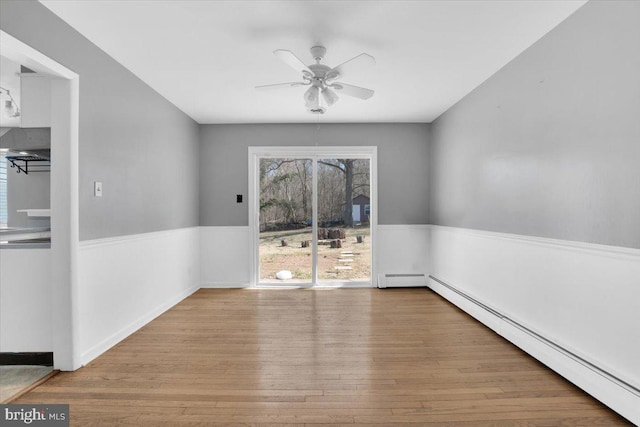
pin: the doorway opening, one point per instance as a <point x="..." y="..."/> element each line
<point x="312" y="216"/>
<point x="64" y="209"/>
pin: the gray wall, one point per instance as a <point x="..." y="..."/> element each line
<point x="142" y="148"/>
<point x="550" y="145"/>
<point x="30" y="191"/>
<point x="402" y="174"/>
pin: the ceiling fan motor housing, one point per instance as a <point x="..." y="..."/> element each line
<point x="319" y="72"/>
<point x="317" y="52"/>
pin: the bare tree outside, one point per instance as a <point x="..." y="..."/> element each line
<point x="354" y="174"/>
<point x="343" y="218"/>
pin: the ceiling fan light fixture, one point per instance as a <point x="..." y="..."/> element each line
<point x="312" y="100"/>
<point x="322" y="78"/>
<point x="311" y="97"/>
<point x="329" y="96"/>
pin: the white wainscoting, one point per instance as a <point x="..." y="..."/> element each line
<point x="125" y="282"/>
<point x="25" y="301"/>
<point x="574" y="306"/>
<point x="225" y="257"/>
<point x="403" y="249"/>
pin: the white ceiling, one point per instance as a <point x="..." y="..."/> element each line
<point x="207" y="56"/>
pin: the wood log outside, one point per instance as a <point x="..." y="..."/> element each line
<point x="304" y="244"/>
<point x="337" y="233"/>
<point x="322" y="233"/>
<point x="331" y="233"/>
<point x="360" y="239"/>
<point x="283" y="242"/>
<point x="336" y="244"/>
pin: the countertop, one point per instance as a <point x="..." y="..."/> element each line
<point x="9" y="231"/>
<point x="25" y="238"/>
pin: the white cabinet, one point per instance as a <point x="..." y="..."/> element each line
<point x="35" y="108"/>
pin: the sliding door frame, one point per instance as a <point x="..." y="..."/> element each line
<point x="314" y="153"/>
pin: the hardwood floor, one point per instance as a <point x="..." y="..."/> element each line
<point x="318" y="357"/>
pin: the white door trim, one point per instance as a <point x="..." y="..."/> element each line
<point x="314" y="153"/>
<point x="65" y="234"/>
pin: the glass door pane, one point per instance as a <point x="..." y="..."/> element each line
<point x="286" y="200"/>
<point x="344" y="214"/>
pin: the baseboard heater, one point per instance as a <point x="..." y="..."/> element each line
<point x="611" y="377"/>
<point x="402" y="280"/>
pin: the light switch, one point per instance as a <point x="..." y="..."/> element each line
<point x="97" y="189"/>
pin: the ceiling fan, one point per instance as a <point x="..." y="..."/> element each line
<point x="321" y="79"/>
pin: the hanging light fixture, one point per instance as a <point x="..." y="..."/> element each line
<point x="329" y="96"/>
<point x="11" y="108"/>
<point x="312" y="100"/>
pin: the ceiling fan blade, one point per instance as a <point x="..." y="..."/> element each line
<point x="279" y="85"/>
<point x="293" y="61"/>
<point x="355" y="91"/>
<point x="354" y="65"/>
<point x="329" y="96"/>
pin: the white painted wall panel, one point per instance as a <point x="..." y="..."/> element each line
<point x="126" y="282"/>
<point x="25" y="300"/>
<point x="225" y="257"/>
<point x="226" y="253"/>
<point x="612" y="393"/>
<point x="403" y="249"/>
<point x="583" y="297"/>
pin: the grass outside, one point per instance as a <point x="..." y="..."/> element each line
<point x="274" y="257"/>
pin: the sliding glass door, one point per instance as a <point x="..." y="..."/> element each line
<point x="312" y="211"/>
<point x="344" y="213"/>
<point x="286" y="220"/>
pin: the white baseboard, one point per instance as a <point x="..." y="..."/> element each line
<point x="233" y="285"/>
<point x="346" y="285"/>
<point x="224" y="285"/>
<point x="98" y="349"/>
<point x="621" y="398"/>
<point x="125" y="282"/>
<point x="474" y="309"/>
<point x="618" y="396"/>
<point x="571" y="305"/>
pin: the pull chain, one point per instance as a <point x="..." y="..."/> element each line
<point x="317" y="129"/>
